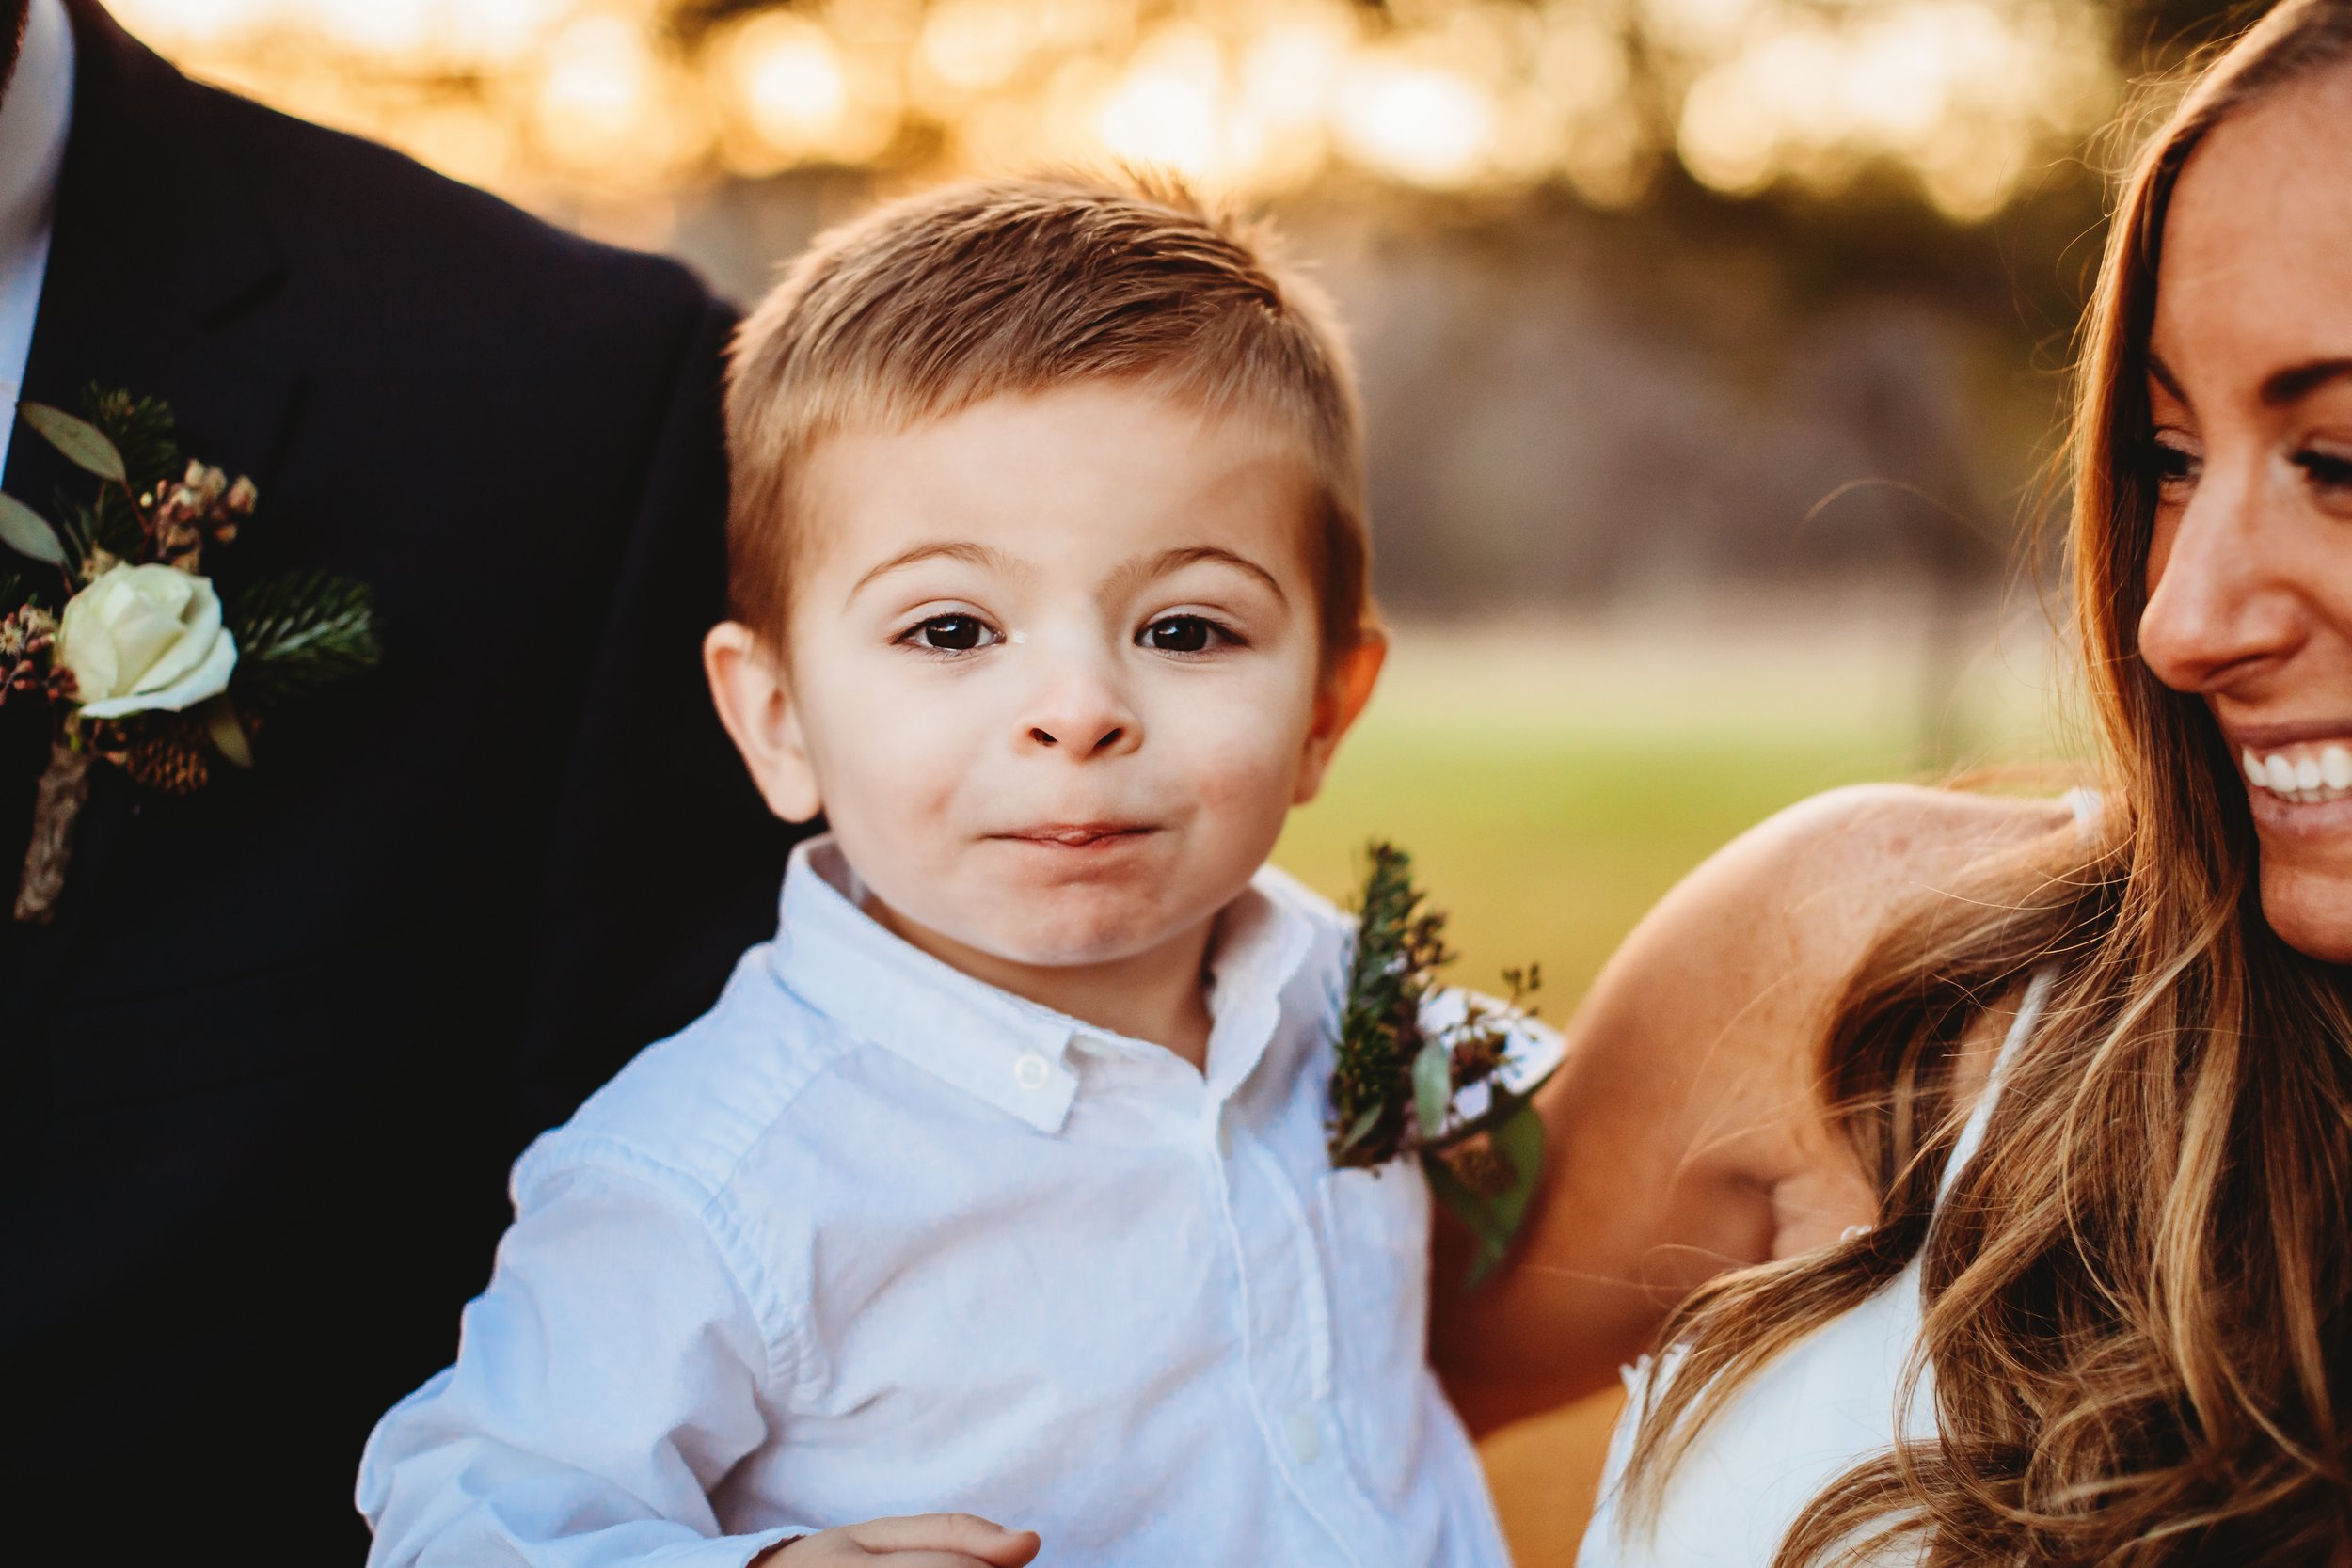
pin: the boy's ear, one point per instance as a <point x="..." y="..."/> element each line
<point x="748" y="688"/>
<point x="1345" y="690"/>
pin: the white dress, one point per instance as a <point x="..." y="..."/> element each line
<point x="1822" y="1406"/>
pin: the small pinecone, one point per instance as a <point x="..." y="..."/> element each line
<point x="1479" y="1167"/>
<point x="170" y="755"/>
<point x="202" y="507"/>
<point x="1478" y="1057"/>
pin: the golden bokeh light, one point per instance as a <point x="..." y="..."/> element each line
<point x="602" y="100"/>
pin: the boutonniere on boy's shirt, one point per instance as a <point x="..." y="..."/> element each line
<point x="1432" y="1072"/>
<point x="111" y="622"/>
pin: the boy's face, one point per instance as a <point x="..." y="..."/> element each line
<point x="1054" y="670"/>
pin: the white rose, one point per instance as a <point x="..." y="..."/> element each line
<point x="145" y="637"/>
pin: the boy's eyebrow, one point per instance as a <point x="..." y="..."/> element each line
<point x="1175" y="560"/>
<point x="951" y="549"/>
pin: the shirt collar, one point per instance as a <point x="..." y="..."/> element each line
<point x="1008" y="1052"/>
<point x="35" y="116"/>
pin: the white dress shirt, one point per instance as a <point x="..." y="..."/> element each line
<point x="35" y="115"/>
<point x="873" y="1238"/>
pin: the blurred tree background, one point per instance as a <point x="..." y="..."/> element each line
<point x="1714" y="353"/>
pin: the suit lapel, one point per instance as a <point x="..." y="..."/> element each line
<point x="159" y="255"/>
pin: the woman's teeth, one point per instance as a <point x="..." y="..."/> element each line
<point x="2307" y="774"/>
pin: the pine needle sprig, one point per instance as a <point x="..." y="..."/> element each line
<point x="143" y="433"/>
<point x="1400" y="945"/>
<point x="300" y="631"/>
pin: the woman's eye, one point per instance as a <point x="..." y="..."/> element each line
<point x="1182" y="634"/>
<point x="953" y="634"/>
<point x="2330" y="471"/>
<point x="2174" y="465"/>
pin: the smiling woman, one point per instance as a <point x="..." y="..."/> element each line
<point x="1997" y="1155"/>
<point x="2250" y="388"/>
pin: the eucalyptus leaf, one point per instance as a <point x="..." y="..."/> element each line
<point x="1432" y="1086"/>
<point x="1520" y="1141"/>
<point x="23" y="531"/>
<point x="1359" y="1130"/>
<point x="227" y="732"/>
<point x="84" y="444"/>
<point x="1475" y="1212"/>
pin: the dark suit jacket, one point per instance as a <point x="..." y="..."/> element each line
<point x="259" y="1082"/>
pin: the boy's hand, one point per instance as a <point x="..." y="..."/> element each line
<point x="920" y="1541"/>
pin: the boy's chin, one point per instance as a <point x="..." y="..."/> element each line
<point x="1066" y="929"/>
<point x="1063" y="942"/>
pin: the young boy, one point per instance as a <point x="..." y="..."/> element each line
<point x="997" y="1180"/>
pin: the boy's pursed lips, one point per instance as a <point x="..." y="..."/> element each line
<point x="1079" y="836"/>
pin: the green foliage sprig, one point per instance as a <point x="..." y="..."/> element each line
<point x="300" y="631"/>
<point x="142" y="431"/>
<point x="1399" y="1082"/>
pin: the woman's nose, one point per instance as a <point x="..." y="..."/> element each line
<point x="2223" y="604"/>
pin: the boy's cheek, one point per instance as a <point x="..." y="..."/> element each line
<point x="1246" y="791"/>
<point x="1243" y="752"/>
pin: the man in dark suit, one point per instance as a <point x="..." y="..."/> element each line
<point x="260" y="1078"/>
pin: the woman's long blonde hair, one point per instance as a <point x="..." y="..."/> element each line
<point x="2140" y="1293"/>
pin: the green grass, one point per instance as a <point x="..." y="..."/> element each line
<point x="1548" y="848"/>
<point x="1552" y="791"/>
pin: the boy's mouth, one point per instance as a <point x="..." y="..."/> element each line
<point x="1079" y="835"/>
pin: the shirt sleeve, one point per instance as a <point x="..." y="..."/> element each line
<point x="611" y="1373"/>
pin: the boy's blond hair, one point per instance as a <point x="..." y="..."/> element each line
<point x="977" y="290"/>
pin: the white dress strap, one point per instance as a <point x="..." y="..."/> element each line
<point x="2085" y="804"/>
<point x="2020" y="1031"/>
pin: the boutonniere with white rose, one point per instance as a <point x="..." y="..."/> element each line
<point x="1435" y="1075"/>
<point x="117" y="631"/>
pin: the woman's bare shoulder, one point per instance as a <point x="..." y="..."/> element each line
<point x="1745" y="958"/>
<point x="1686" y="1114"/>
<point x="1723" y="993"/>
<point x="1831" y="871"/>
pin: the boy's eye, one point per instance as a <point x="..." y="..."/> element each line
<point x="1181" y="634"/>
<point x="950" y="634"/>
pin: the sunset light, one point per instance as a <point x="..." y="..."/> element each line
<point x="606" y="99"/>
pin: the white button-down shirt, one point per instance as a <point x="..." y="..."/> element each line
<point x="35" y="118"/>
<point x="872" y="1237"/>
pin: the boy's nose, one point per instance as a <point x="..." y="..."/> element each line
<point x="1108" y="738"/>
<point x="2224" y="602"/>
<point x="1082" y="716"/>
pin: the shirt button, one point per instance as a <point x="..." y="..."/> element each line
<point x="1306" y="1441"/>
<point x="1031" y="1072"/>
